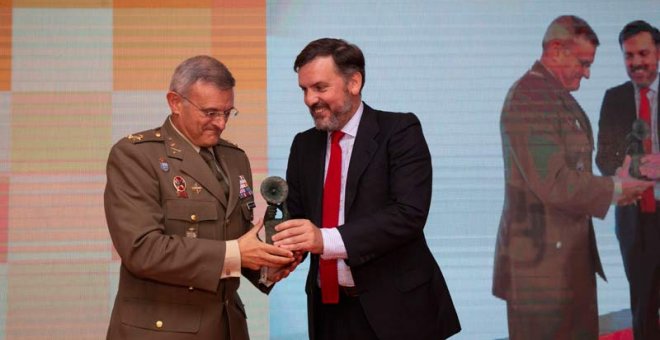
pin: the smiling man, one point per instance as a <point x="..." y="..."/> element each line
<point x="638" y="226"/>
<point x="178" y="203"/>
<point x="359" y="192"/>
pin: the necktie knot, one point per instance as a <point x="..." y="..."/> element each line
<point x="207" y="155"/>
<point x="336" y="136"/>
<point x="643" y="91"/>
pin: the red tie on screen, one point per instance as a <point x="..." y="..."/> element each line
<point x="648" y="200"/>
<point x="331" y="192"/>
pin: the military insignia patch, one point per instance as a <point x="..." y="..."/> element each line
<point x="245" y="190"/>
<point x="180" y="186"/>
<point x="163" y="165"/>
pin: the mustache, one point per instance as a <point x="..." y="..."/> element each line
<point x="318" y="106"/>
<point x="638" y="68"/>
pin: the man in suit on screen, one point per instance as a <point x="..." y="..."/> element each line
<point x="359" y="192"/>
<point x="546" y="255"/>
<point x="637" y="226"/>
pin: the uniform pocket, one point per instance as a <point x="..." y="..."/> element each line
<point x="161" y="316"/>
<point x="183" y="214"/>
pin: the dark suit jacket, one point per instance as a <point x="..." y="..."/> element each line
<point x="169" y="284"/>
<point x="617" y="114"/>
<point x="388" y="194"/>
<point x="546" y="247"/>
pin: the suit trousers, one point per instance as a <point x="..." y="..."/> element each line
<point x="643" y="261"/>
<point x="345" y="320"/>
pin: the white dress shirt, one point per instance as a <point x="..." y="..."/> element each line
<point x="333" y="245"/>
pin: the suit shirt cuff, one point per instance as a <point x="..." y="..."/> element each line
<point x="618" y="190"/>
<point x="333" y="245"/>
<point x="232" y="265"/>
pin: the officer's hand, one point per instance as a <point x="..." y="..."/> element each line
<point x="632" y="188"/>
<point x="256" y="254"/>
<point x="277" y="274"/>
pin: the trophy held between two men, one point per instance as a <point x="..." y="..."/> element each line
<point x="274" y="190"/>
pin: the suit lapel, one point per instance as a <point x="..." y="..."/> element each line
<point x="364" y="149"/>
<point x="316" y="171"/>
<point x="581" y="120"/>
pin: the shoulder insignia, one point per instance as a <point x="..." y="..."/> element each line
<point x="135" y="138"/>
<point x="153" y="135"/>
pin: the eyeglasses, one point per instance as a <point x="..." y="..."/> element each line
<point x="212" y="114"/>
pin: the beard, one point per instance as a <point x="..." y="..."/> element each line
<point x="337" y="118"/>
<point x="643" y="78"/>
<point x="330" y="123"/>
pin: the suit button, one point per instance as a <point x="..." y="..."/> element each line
<point x="193" y="217"/>
<point x="191" y="288"/>
<point x="159" y="324"/>
<point x="558" y="245"/>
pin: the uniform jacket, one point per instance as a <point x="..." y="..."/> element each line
<point x="388" y="194"/>
<point x="168" y="218"/>
<point x="545" y="235"/>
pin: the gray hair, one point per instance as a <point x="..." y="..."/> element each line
<point x="201" y="68"/>
<point x="566" y="28"/>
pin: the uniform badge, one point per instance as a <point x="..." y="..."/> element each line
<point x="180" y="186"/>
<point x="244" y="188"/>
<point x="135" y="138"/>
<point x="196" y="188"/>
<point x="163" y="165"/>
<point x="174" y="149"/>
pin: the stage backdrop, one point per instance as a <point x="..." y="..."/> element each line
<point x="77" y="75"/>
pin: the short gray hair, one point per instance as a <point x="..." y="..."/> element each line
<point x="566" y="28"/>
<point x="201" y="68"/>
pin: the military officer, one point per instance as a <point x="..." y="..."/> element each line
<point x="178" y="204"/>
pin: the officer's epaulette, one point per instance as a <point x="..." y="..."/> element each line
<point x="153" y="135"/>
<point x="224" y="142"/>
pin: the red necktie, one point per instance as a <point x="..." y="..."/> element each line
<point x="648" y="200"/>
<point x="331" y="192"/>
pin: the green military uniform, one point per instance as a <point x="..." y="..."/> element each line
<point x="546" y="254"/>
<point x="168" y="217"/>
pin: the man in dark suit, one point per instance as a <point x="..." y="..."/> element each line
<point x="546" y="255"/>
<point x="372" y="275"/>
<point x="636" y="227"/>
<point x="178" y="203"/>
